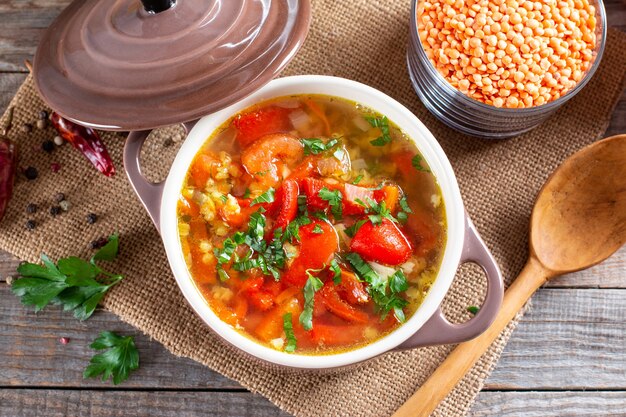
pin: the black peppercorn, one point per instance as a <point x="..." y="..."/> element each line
<point x="31" y="173"/>
<point x="47" y="146"/>
<point x="92" y="218"/>
<point x="31" y="224"/>
<point x="55" y="211"/>
<point x="58" y="197"/>
<point x="31" y="208"/>
<point x="43" y="115"/>
<point x="97" y="244"/>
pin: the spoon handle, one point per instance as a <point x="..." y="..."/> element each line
<point x="465" y="355"/>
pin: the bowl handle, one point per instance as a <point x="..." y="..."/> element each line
<point x="149" y="193"/>
<point x="438" y="330"/>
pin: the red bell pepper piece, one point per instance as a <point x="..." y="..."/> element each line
<point x="331" y="335"/>
<point x="287" y="198"/>
<point x="252" y="125"/>
<point x="351" y="289"/>
<point x="316" y="250"/>
<point x="384" y="243"/>
<point x="87" y="141"/>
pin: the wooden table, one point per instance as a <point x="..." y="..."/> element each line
<point x="567" y="357"/>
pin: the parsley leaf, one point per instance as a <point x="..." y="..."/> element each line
<point x="313" y="284"/>
<point x="266" y="197"/>
<point x="383" y="124"/>
<point x="473" y="309"/>
<point x="315" y="146"/>
<point x="378" y="287"/>
<point x="357" y="180"/>
<point x="291" y="337"/>
<point x="336" y="270"/>
<point x="246" y="193"/>
<point x="118" y="361"/>
<point x="74" y="283"/>
<point x="378" y="211"/>
<point x="417" y="163"/>
<point x="318" y="229"/>
<point x="351" y="230"/>
<point x="334" y="198"/>
<point x="292" y="231"/>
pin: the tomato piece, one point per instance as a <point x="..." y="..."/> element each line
<point x="288" y="200"/>
<point x="351" y="289"/>
<point x="338" y="307"/>
<point x="252" y="125"/>
<point x="205" y="273"/>
<point x="188" y="207"/>
<point x="240" y="307"/>
<point x="352" y="194"/>
<point x="316" y="250"/>
<point x="261" y="300"/>
<point x="312" y="188"/>
<point x="331" y="335"/>
<point x="384" y="243"/>
<point x="222" y="311"/>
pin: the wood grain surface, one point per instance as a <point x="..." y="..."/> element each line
<point x="567" y="357"/>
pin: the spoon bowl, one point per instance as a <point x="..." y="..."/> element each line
<point x="579" y="220"/>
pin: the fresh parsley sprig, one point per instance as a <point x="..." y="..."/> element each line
<point x="292" y="343"/>
<point x="384" y="292"/>
<point x="74" y="283"/>
<point x="383" y="124"/>
<point x="417" y="163"/>
<point x="377" y="211"/>
<point x="313" y="285"/>
<point x="334" y="198"/>
<point x="316" y="146"/>
<point x="266" y="197"/>
<point x="121" y="358"/>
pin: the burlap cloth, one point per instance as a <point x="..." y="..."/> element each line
<point x="361" y="40"/>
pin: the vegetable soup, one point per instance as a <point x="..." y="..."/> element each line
<point x="311" y="224"/>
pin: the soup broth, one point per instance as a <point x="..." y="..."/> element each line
<point x="311" y="224"/>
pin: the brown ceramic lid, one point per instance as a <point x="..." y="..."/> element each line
<point x="112" y="65"/>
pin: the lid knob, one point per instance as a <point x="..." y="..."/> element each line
<point x="157" y="6"/>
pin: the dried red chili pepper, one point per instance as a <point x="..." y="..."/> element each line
<point x="85" y="140"/>
<point x="8" y="164"/>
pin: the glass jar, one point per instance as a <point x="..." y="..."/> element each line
<point x="473" y="117"/>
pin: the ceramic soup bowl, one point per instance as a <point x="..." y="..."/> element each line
<point x="427" y="326"/>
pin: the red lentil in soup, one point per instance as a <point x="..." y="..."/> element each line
<point x="311" y="224"/>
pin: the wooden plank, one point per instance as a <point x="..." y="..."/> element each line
<point x="62" y="403"/>
<point x="33" y="355"/>
<point x="549" y="404"/>
<point x="570" y="339"/>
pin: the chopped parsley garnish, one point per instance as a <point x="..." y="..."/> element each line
<point x="383" y="124"/>
<point x="384" y="292"/>
<point x="292" y="231"/>
<point x="117" y="362"/>
<point x="313" y="285"/>
<point x="266" y="197"/>
<point x="336" y="270"/>
<point x="223" y="198"/>
<point x="351" y="230"/>
<point x="404" y="205"/>
<point x="334" y="198"/>
<point x="318" y="229"/>
<point x="291" y="337"/>
<point x="473" y="309"/>
<point x="74" y="283"/>
<point x="377" y="211"/>
<point x="246" y="194"/>
<point x="303" y="210"/>
<point x="357" y="180"/>
<point x="315" y="146"/>
<point x="417" y="163"/>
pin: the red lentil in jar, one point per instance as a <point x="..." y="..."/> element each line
<point x="509" y="53"/>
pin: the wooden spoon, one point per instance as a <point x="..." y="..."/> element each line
<point x="579" y="220"/>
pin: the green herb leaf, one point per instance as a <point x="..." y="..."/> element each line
<point x="334" y="198"/>
<point x="473" y="309"/>
<point x="398" y="282"/>
<point x="315" y="146"/>
<point x="357" y="180"/>
<point x="317" y="229"/>
<point x="313" y="284"/>
<point x="351" y="230"/>
<point x="402" y="217"/>
<point x="291" y="337"/>
<point x="404" y="205"/>
<point x="417" y="163"/>
<point x="383" y="124"/>
<point x="121" y="358"/>
<point x="336" y="270"/>
<point x="246" y="193"/>
<point x="75" y="284"/>
<point x="109" y="251"/>
<point x="266" y="197"/>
